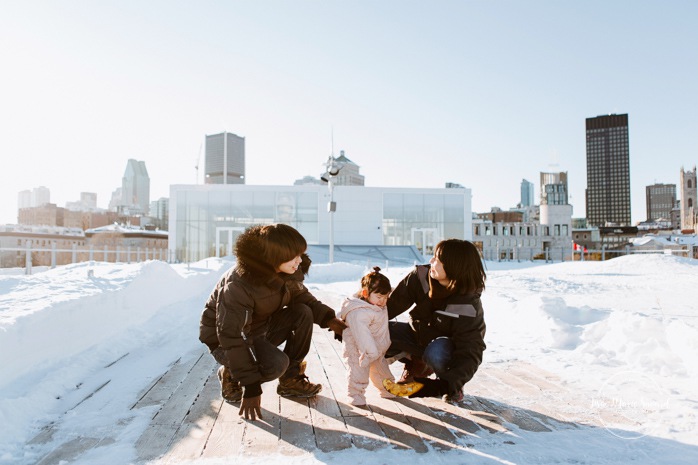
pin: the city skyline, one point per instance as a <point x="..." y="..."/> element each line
<point x="481" y="94"/>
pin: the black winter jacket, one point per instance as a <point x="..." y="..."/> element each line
<point x="459" y="317"/>
<point x="241" y="304"/>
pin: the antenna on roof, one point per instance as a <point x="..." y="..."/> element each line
<point x="196" y="163"/>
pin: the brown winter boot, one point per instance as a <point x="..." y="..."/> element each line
<point x="298" y="386"/>
<point x="414" y="368"/>
<point x="231" y="391"/>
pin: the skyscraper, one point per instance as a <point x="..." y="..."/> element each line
<point x="527" y="197"/>
<point x="661" y="199"/>
<point x="135" y="188"/>
<point x="225" y="159"/>
<point x="608" y="171"/>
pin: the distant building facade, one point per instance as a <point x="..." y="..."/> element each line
<point x="307" y="180"/>
<point x="160" y="213"/>
<point x="506" y="237"/>
<point x="553" y="189"/>
<point x="135" y="188"/>
<point x="225" y="159"/>
<point x="117" y="243"/>
<point x="689" y="200"/>
<point x="87" y="202"/>
<point x="35" y="197"/>
<point x="21" y="245"/>
<point x="608" y="171"/>
<point x="527" y="194"/>
<point x="349" y="173"/>
<point x="52" y="215"/>
<point x="24" y="199"/>
<point x="660" y="200"/>
<point x="205" y="220"/>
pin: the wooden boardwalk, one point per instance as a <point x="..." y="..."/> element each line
<point x="191" y="421"/>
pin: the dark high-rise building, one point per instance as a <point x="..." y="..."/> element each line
<point x="608" y="171"/>
<point x="661" y="199"/>
<point x="225" y="159"/>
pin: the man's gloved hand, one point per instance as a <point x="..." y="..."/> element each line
<point x="251" y="407"/>
<point x="338" y="326"/>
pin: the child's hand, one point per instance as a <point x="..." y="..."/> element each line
<point x="365" y="359"/>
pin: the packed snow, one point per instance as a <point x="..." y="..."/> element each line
<point x="624" y="329"/>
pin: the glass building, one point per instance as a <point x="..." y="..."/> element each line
<point x="206" y="219"/>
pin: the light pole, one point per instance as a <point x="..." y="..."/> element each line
<point x="332" y="168"/>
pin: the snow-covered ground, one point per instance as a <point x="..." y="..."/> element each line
<point x="623" y="332"/>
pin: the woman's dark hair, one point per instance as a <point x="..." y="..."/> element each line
<point x="281" y="243"/>
<point x="376" y="282"/>
<point x="462" y="265"/>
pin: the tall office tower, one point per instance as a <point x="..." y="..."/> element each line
<point x="24" y="199"/>
<point x="40" y="196"/>
<point x="608" y="171"/>
<point x="135" y="188"/>
<point x="526" y="193"/>
<point x="225" y="159"/>
<point x="553" y="188"/>
<point x="88" y="200"/>
<point x="689" y="200"/>
<point x="661" y="199"/>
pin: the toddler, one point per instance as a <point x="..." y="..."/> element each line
<point x="367" y="337"/>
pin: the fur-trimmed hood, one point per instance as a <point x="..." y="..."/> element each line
<point x="251" y="264"/>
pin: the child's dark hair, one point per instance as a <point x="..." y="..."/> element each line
<point x="281" y="243"/>
<point x="376" y="282"/>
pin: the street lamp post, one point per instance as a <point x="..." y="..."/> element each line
<point x="332" y="170"/>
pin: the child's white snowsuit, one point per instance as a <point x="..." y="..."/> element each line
<point x="365" y="342"/>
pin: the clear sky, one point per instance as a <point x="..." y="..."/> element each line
<point x="417" y="93"/>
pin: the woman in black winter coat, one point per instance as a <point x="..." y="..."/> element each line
<point x="446" y="331"/>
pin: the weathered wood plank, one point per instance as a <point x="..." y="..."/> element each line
<point x="296" y="428"/>
<point x="190" y="439"/>
<point x="163" y="387"/>
<point x="262" y="436"/>
<point x="430" y="428"/>
<point x="158" y="437"/>
<point x="68" y="451"/>
<point x="178" y="405"/>
<point x="396" y="426"/>
<point x="331" y="432"/>
<point x="227" y="433"/>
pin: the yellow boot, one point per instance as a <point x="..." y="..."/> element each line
<point x="402" y="390"/>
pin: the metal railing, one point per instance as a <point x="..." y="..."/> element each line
<point x="28" y="256"/>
